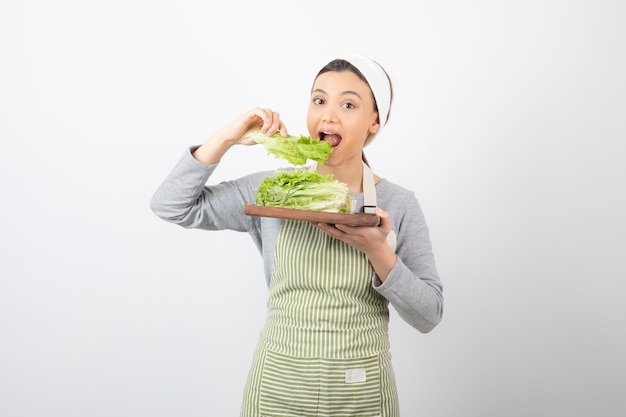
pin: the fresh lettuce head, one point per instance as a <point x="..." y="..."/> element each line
<point x="295" y="150"/>
<point x="304" y="190"/>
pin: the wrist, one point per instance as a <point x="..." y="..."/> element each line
<point x="383" y="262"/>
<point x="212" y="150"/>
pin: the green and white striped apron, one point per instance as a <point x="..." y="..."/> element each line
<point x="324" y="350"/>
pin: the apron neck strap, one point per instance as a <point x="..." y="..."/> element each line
<point x="369" y="190"/>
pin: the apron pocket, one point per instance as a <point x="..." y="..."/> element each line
<point x="294" y="386"/>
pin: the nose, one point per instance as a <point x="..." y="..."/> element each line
<point x="329" y="115"/>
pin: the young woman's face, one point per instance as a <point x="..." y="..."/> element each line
<point x="341" y="111"/>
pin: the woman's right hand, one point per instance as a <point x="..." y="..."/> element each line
<point x="265" y="121"/>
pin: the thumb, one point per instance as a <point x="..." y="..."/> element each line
<point x="385" y="221"/>
<point x="385" y="224"/>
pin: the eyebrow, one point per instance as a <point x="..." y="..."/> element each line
<point x="347" y="92"/>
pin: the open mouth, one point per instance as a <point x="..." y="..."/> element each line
<point x="333" y="138"/>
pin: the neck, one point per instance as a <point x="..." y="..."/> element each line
<point x="350" y="173"/>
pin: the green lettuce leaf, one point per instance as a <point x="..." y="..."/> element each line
<point x="294" y="149"/>
<point x="304" y="190"/>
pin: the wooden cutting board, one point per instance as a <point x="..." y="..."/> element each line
<point x="356" y="219"/>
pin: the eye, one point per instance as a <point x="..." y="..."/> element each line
<point x="318" y="101"/>
<point x="348" y="105"/>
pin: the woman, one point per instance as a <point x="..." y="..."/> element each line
<point x="324" y="350"/>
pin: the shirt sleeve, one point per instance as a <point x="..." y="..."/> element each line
<point x="413" y="286"/>
<point x="184" y="198"/>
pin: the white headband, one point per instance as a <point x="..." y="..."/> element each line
<point x="378" y="82"/>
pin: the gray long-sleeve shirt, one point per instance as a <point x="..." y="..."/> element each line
<point x="413" y="286"/>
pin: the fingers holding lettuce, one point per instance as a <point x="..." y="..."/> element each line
<point x="263" y="120"/>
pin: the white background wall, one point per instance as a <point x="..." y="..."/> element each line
<point x="508" y="123"/>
